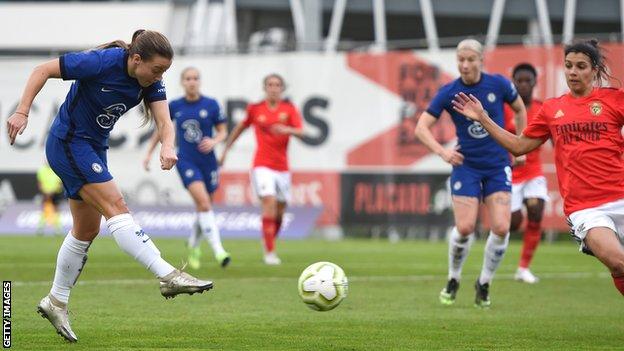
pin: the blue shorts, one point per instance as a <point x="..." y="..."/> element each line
<point x="191" y="171"/>
<point x="479" y="183"/>
<point x="76" y="162"/>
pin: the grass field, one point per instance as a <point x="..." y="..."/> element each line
<point x="392" y="302"/>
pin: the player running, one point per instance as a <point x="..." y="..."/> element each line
<point x="196" y="117"/>
<point x="529" y="185"/>
<point x="109" y="81"/>
<point x="481" y="168"/>
<point x="585" y="126"/>
<point x="274" y="121"/>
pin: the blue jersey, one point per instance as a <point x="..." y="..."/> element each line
<point x="194" y="121"/>
<point x="478" y="147"/>
<point x="102" y="92"/>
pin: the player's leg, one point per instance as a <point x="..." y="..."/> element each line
<point x="207" y="221"/>
<point x="465" y="189"/>
<point x="607" y="248"/>
<point x="535" y="193"/>
<point x="283" y="196"/>
<point x="70" y="261"/>
<point x="190" y="173"/>
<point x="265" y="186"/>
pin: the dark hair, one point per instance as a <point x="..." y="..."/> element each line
<point x="591" y="49"/>
<point x="274" y="75"/>
<point x="524" y="67"/>
<point x="147" y="44"/>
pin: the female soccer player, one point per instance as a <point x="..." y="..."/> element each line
<point x="528" y="182"/>
<point x="585" y="126"/>
<point x="481" y="168"/>
<point x="196" y="116"/>
<point x="109" y="81"/>
<point x="274" y="120"/>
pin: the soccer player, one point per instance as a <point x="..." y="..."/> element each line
<point x="196" y="116"/>
<point x="51" y="189"/>
<point x="585" y="126"/>
<point x="108" y="81"/>
<point x="481" y="168"/>
<point x="528" y="182"/>
<point x="274" y="121"/>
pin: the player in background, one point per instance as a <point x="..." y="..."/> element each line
<point x="196" y="117"/>
<point x="108" y="81"/>
<point x="274" y="120"/>
<point x="51" y="189"/>
<point x="481" y="168"/>
<point x="585" y="126"/>
<point x="529" y="185"/>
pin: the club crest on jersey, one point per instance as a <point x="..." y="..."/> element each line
<point x="595" y="108"/>
<point x="96" y="167"/>
<point x="477" y="131"/>
<point x="283" y="116"/>
<point x="491" y="97"/>
<point x="457" y="185"/>
<point x="189" y="173"/>
<point x="261" y="118"/>
<point x="203" y="113"/>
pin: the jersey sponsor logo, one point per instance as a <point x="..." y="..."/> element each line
<point x="203" y="113"/>
<point x="491" y="97"/>
<point x="96" y="167"/>
<point x="477" y="131"/>
<point x="192" y="131"/>
<point x="189" y="173"/>
<point x="110" y="116"/>
<point x="595" y="108"/>
<point x="559" y="114"/>
<point x="106" y="90"/>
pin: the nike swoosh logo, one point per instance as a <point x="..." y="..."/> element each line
<point x="146" y="240"/>
<point x="107" y="90"/>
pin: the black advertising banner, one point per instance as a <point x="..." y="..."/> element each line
<point x="402" y="199"/>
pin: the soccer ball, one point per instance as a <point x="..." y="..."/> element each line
<point x="322" y="286"/>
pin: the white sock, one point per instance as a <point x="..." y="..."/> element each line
<point x="193" y="240"/>
<point x="71" y="258"/>
<point x="208" y="225"/>
<point x="459" y="247"/>
<point x="133" y="241"/>
<point x="495" y="248"/>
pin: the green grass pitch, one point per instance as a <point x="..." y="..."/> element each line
<point x="392" y="303"/>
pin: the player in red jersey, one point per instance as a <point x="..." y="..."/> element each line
<point x="585" y="126"/>
<point x="529" y="184"/>
<point x="274" y="121"/>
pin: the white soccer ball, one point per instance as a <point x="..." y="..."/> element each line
<point x="322" y="286"/>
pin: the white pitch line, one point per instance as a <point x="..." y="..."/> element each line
<point x="391" y="278"/>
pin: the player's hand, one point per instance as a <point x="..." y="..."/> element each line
<point x="221" y="160"/>
<point x="454" y="157"/>
<point x="16" y="125"/>
<point x="519" y="160"/>
<point x="168" y="158"/>
<point x="206" y="145"/>
<point x="146" y="163"/>
<point x="469" y="106"/>
<point x="280" y="129"/>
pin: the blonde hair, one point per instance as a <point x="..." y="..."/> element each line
<point x="471" y="44"/>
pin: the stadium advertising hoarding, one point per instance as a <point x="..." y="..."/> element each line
<point x="359" y="110"/>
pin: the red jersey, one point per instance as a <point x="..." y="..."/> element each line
<point x="533" y="166"/>
<point x="588" y="146"/>
<point x="271" y="147"/>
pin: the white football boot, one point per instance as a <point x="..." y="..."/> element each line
<point x="179" y="282"/>
<point x="56" y="313"/>
<point x="271" y="259"/>
<point x="525" y="275"/>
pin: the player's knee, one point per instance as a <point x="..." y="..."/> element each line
<point x="516" y="221"/>
<point x="203" y="206"/>
<point x="500" y="229"/>
<point x="616" y="264"/>
<point x="465" y="228"/>
<point x="534" y="214"/>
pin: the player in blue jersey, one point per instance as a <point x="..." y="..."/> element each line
<point x="481" y="167"/>
<point x="196" y="116"/>
<point x="108" y="81"/>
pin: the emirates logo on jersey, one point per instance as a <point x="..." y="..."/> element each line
<point x="595" y="108"/>
<point x="283" y="116"/>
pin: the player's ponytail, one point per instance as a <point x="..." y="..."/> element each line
<point x="592" y="49"/>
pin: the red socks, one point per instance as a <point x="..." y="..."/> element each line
<point x="619" y="283"/>
<point x="269" y="229"/>
<point x="532" y="237"/>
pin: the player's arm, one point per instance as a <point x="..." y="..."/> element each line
<point x="471" y="107"/>
<point x="423" y="133"/>
<point x="236" y="132"/>
<point x="166" y="133"/>
<point x="207" y="144"/>
<point x="520" y="118"/>
<point x="38" y="77"/>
